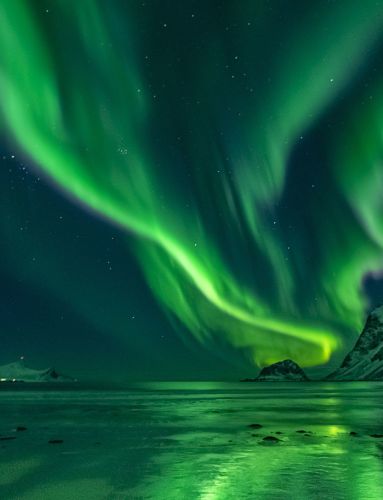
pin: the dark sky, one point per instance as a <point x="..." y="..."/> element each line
<point x="189" y="190"/>
<point x="72" y="296"/>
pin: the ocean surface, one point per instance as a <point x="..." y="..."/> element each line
<point x="193" y="441"/>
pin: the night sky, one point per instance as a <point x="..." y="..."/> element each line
<point x="189" y="190"/>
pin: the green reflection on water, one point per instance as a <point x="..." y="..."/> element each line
<point x="193" y="441"/>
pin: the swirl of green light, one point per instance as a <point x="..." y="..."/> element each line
<point x="82" y="117"/>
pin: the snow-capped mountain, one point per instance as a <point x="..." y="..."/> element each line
<point x="365" y="360"/>
<point x="18" y="372"/>
<point x="286" y="370"/>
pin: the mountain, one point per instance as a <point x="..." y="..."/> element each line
<point x="365" y="360"/>
<point x="18" y="372"/>
<point x="282" y="371"/>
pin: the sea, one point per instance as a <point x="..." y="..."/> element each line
<point x="192" y="440"/>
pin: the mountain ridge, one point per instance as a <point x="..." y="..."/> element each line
<point x="365" y="360"/>
<point x="18" y="372"/>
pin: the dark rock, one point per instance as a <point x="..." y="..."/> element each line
<point x="376" y="435"/>
<point x="378" y="356"/>
<point x="302" y="431"/>
<point x="353" y="433"/>
<point x="255" y="426"/>
<point x="20" y="428"/>
<point x="55" y="441"/>
<point x="7" y="438"/>
<point x="283" y="371"/>
<point x="278" y="432"/>
<point x="271" y="439"/>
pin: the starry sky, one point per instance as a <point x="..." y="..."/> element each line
<point x="189" y="190"/>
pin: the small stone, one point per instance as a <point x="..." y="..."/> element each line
<point x="21" y="428"/>
<point x="271" y="439"/>
<point x="376" y="435"/>
<point x="302" y="431"/>
<point x="55" y="441"/>
<point x="353" y="433"/>
<point x="7" y="438"/>
<point x="255" y="426"/>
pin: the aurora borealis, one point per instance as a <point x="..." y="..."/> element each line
<point x="237" y="146"/>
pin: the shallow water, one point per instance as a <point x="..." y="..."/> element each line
<point x="193" y="441"/>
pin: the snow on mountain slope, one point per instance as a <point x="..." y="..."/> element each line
<point x="365" y="360"/>
<point x="18" y="372"/>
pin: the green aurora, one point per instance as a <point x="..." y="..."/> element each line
<point x="191" y="145"/>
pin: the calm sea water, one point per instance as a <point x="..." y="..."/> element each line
<point x="193" y="441"/>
